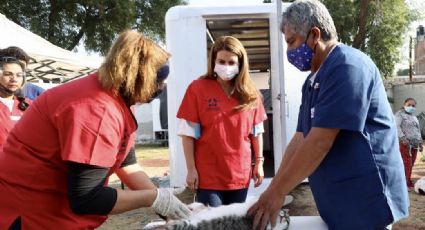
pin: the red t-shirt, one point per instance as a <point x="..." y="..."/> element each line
<point x="78" y="121"/>
<point x="223" y="152"/>
<point x="8" y="119"/>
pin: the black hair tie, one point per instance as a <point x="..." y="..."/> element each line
<point x="23" y="105"/>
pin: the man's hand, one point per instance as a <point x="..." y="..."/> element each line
<point x="169" y="205"/>
<point x="266" y="209"/>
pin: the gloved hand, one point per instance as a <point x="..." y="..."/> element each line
<point x="169" y="205"/>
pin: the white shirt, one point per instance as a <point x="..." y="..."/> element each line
<point x="8" y="102"/>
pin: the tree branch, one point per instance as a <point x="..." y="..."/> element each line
<point x="361" y="32"/>
<point x="52" y="20"/>
<point x="76" y="40"/>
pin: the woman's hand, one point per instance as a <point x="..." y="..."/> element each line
<point x="167" y="204"/>
<point x="192" y="179"/>
<point x="258" y="173"/>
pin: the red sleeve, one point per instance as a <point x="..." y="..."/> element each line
<point x="260" y="113"/>
<point x="89" y="134"/>
<point x="189" y="107"/>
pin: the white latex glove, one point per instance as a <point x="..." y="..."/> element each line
<point x="169" y="205"/>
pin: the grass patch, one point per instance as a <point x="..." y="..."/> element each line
<point x="151" y="151"/>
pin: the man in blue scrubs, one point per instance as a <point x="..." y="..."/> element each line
<point x="346" y="139"/>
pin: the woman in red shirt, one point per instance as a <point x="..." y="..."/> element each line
<point x="55" y="165"/>
<point x="221" y="119"/>
<point x="12" y="107"/>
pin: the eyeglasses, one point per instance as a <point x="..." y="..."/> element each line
<point x="9" y="74"/>
<point x="8" y="59"/>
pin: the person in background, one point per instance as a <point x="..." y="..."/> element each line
<point x="12" y="107"/>
<point x="346" y="138"/>
<point x="57" y="177"/>
<point x="409" y="136"/>
<point x="29" y="90"/>
<point x="221" y="125"/>
<point x="32" y="91"/>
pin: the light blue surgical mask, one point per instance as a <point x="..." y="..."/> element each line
<point x="409" y="109"/>
<point x="301" y="56"/>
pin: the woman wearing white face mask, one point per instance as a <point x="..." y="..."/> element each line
<point x="409" y="136"/>
<point x="221" y="124"/>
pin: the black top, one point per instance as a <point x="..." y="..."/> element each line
<point x="87" y="192"/>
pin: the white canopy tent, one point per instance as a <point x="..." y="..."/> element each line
<point x="49" y="63"/>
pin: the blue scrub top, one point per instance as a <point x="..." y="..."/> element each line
<point x="360" y="184"/>
<point x="32" y="91"/>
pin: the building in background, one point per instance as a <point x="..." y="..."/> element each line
<point x="419" y="64"/>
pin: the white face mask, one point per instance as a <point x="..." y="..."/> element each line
<point x="226" y="72"/>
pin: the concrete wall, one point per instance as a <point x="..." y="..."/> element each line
<point x="399" y="93"/>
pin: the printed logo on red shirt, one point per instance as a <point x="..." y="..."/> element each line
<point x="213" y="104"/>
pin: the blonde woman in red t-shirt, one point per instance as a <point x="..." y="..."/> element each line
<point x="55" y="165"/>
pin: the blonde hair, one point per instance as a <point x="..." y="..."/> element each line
<point x="245" y="90"/>
<point x="131" y="65"/>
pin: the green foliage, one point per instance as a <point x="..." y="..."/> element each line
<point x="403" y="72"/>
<point x="377" y="27"/>
<point x="386" y="23"/>
<point x="151" y="16"/>
<point x="66" y="23"/>
<point x="386" y="32"/>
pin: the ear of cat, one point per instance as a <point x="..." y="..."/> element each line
<point x="288" y="200"/>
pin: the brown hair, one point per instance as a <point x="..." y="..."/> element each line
<point x="131" y="65"/>
<point x="18" y="53"/>
<point x="407" y="100"/>
<point x="245" y="90"/>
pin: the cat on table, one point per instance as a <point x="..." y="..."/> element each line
<point x="225" y="217"/>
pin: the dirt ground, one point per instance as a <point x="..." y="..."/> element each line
<point x="155" y="162"/>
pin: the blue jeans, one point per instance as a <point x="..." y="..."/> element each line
<point x="214" y="198"/>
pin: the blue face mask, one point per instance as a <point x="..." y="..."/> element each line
<point x="409" y="109"/>
<point x="301" y="56"/>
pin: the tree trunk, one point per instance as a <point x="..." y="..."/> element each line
<point x="87" y="19"/>
<point x="361" y="32"/>
<point x="76" y="40"/>
<point x="52" y="21"/>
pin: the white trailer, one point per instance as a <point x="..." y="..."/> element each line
<point x="190" y="31"/>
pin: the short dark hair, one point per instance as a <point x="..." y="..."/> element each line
<point x="14" y="51"/>
<point x="410" y="99"/>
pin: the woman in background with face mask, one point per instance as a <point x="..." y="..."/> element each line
<point x="409" y="136"/>
<point x="221" y="125"/>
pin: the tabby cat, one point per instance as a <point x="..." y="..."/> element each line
<point x="226" y="217"/>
